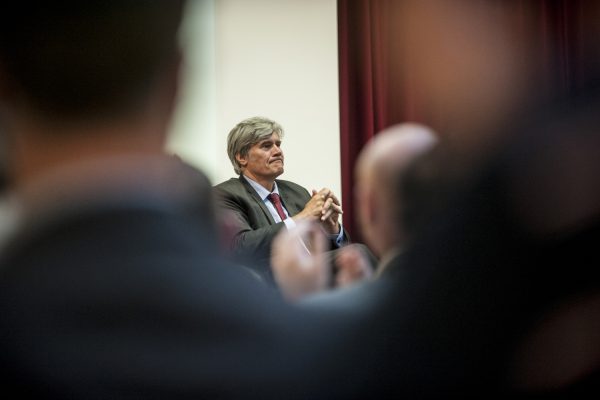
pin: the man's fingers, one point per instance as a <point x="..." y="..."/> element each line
<point x="333" y="209"/>
<point x="337" y="209"/>
<point x="327" y="214"/>
<point x="324" y="193"/>
<point x="334" y="199"/>
<point x="330" y="205"/>
<point x="325" y="204"/>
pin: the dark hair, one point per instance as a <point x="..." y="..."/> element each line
<point x="91" y="57"/>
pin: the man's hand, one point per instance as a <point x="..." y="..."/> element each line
<point x="297" y="270"/>
<point x="330" y="214"/>
<point x="313" y="210"/>
<point x="353" y="266"/>
<point x="323" y="207"/>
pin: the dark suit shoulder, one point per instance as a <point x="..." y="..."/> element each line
<point x="238" y="186"/>
<point x="232" y="188"/>
<point x="232" y="183"/>
<point x="283" y="184"/>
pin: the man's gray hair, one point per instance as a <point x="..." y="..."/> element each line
<point x="246" y="134"/>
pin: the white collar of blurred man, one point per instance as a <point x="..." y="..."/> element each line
<point x="264" y="161"/>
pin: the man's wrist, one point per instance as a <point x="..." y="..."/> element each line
<point x="338" y="238"/>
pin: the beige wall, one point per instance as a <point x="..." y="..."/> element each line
<point x="194" y="133"/>
<point x="275" y="58"/>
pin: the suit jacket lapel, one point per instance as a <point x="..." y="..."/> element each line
<point x="257" y="199"/>
<point x="287" y="200"/>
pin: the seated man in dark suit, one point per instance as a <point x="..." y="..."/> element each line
<point x="259" y="205"/>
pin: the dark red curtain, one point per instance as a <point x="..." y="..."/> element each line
<point x="364" y="70"/>
<point x="376" y="68"/>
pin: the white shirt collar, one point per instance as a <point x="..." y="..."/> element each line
<point x="262" y="192"/>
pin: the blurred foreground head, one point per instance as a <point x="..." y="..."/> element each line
<point x="86" y="74"/>
<point x="467" y="63"/>
<point x="379" y="172"/>
<point x="83" y="58"/>
<point x="476" y="66"/>
<point x="519" y="241"/>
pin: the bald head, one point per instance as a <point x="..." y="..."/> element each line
<point x="393" y="149"/>
<point x="379" y="170"/>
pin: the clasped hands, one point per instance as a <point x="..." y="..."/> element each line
<point x="324" y="207"/>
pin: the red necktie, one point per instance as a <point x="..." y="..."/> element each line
<point x="274" y="198"/>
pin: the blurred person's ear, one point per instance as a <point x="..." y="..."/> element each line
<point x="364" y="200"/>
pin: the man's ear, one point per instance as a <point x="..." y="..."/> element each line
<point x="366" y="205"/>
<point x="371" y="206"/>
<point x="242" y="160"/>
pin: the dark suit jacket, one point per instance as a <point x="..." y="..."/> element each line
<point x="255" y="228"/>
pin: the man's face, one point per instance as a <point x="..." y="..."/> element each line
<point x="264" y="160"/>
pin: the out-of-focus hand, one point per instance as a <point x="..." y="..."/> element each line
<point x="297" y="270"/>
<point x="353" y="266"/>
